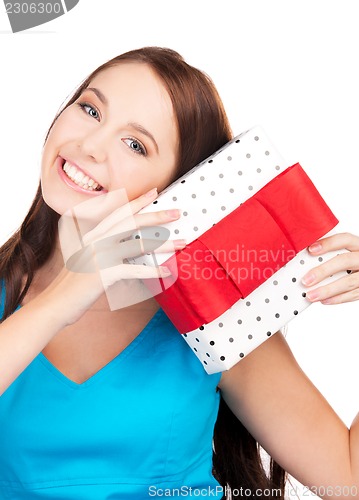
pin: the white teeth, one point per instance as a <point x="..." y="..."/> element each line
<point x="72" y="171"/>
<point x="80" y="178"/>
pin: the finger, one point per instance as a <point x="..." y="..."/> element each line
<point x="110" y="219"/>
<point x="347" y="284"/>
<point x="342" y="298"/>
<point x="171" y="246"/>
<point x="335" y="242"/>
<point x="132" y="271"/>
<point x="108" y="252"/>
<point x="342" y="262"/>
<point x="90" y="212"/>
<point x="114" y="225"/>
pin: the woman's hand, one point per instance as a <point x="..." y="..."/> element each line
<point x="96" y="245"/>
<point x="345" y="289"/>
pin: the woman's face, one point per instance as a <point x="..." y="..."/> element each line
<point x="120" y="133"/>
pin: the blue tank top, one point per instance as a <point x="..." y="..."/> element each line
<point x="141" y="427"/>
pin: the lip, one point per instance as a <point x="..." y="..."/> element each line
<point x="59" y="164"/>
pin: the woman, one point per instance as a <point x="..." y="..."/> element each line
<point x="100" y="404"/>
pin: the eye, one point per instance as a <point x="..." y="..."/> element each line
<point x="135" y="145"/>
<point x="89" y="110"/>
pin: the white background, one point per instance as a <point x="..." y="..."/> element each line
<point x="290" y="66"/>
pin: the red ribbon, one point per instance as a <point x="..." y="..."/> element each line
<point x="242" y="251"/>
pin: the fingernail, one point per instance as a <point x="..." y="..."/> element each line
<point x="308" y="279"/>
<point x="313" y="295"/>
<point x="165" y="270"/>
<point x="178" y="244"/>
<point x="150" y="193"/>
<point x="316" y="247"/>
<point x="173" y="214"/>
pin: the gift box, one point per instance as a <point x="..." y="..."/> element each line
<point x="247" y="217"/>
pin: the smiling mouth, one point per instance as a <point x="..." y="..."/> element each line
<point x="80" y="178"/>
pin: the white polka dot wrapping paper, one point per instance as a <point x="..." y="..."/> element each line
<point x="206" y="195"/>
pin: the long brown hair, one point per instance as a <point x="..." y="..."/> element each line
<point x="203" y="128"/>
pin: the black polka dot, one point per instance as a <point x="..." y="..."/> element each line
<point x="222" y="358"/>
<point x="259" y="170"/>
<point x="223" y="208"/>
<point x="137" y="236"/>
<point x="294" y="280"/>
<point x="258" y="318"/>
<point x="182" y="182"/>
<point x="197" y="339"/>
<point x="250" y="337"/>
<point x="241" y="355"/>
<point x="201" y="178"/>
<point x="240" y="172"/>
<point x="349" y="271"/>
<point x="185" y="334"/>
<point x="277" y="315"/>
<point x="174" y="198"/>
<point x="213" y="193"/>
<point x="176" y="231"/>
<point x="201" y="327"/>
<point x="248" y="303"/>
<point x="185" y="213"/>
<point x="210" y="161"/>
<point x="304" y="294"/>
<point x="195" y="349"/>
<point x="205" y="362"/>
<point x="256" y="138"/>
<point x="248" y="155"/>
<point x="269" y="334"/>
<point x="193" y="195"/>
<point x="220" y="325"/>
<point x="237" y="141"/>
<point x="157" y="234"/>
<point x="221" y="176"/>
<point x="155" y="202"/>
<point x="266" y="153"/>
<point x="195" y="228"/>
<point x="320" y="259"/>
<point x="229" y="158"/>
<point x="267" y="301"/>
<point x="277" y="167"/>
<point x="285" y="297"/>
<point x="231" y="339"/>
<point x="204" y="211"/>
<point x="302" y="261"/>
<point x="208" y="354"/>
<point x="275" y="282"/>
<point x="239" y="321"/>
<point x="295" y="313"/>
<point x="212" y="342"/>
<point x="231" y="190"/>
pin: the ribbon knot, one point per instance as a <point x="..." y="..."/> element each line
<point x="243" y="250"/>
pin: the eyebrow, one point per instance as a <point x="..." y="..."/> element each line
<point x="134" y="125"/>
<point x="98" y="93"/>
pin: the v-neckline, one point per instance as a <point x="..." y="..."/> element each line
<point x="108" y="366"/>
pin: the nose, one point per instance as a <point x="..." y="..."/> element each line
<point x="95" y="145"/>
